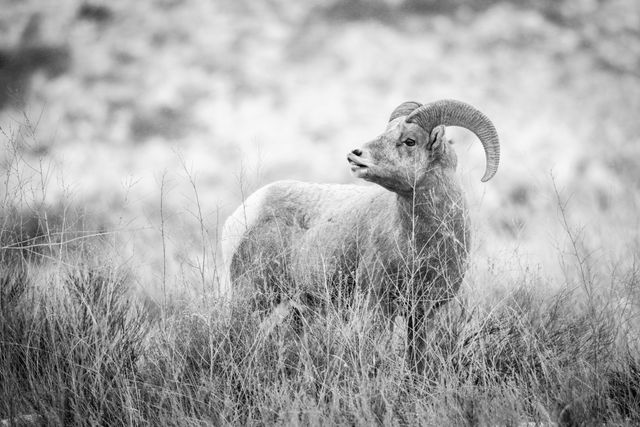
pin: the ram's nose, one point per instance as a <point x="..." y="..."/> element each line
<point x="357" y="152"/>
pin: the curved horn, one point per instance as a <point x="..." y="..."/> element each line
<point x="449" y="112"/>
<point x="404" y="109"/>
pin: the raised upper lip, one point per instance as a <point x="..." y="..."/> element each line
<point x="356" y="161"/>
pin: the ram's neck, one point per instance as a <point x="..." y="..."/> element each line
<point x="435" y="209"/>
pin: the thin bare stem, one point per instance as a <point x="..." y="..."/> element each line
<point x="164" y="242"/>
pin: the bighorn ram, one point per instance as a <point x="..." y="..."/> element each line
<point x="404" y="243"/>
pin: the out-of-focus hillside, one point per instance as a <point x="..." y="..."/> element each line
<point x="241" y="93"/>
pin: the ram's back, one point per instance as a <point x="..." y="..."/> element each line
<point x="295" y="226"/>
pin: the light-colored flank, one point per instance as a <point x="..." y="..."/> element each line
<point x="239" y="222"/>
<point x="402" y="244"/>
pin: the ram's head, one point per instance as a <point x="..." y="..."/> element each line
<point x="413" y="145"/>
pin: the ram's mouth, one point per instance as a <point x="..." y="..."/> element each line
<point x="356" y="162"/>
<point x="359" y="167"/>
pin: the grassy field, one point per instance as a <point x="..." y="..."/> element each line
<point x="130" y="130"/>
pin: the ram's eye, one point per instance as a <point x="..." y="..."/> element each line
<point x="410" y="142"/>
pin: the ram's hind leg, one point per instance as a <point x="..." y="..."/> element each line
<point x="259" y="268"/>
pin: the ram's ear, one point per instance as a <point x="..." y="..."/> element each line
<point x="437" y="139"/>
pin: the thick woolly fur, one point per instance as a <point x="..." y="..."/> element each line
<point x="402" y="244"/>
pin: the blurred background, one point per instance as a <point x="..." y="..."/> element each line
<point x="149" y="121"/>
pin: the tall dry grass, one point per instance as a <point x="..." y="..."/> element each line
<point x="80" y="345"/>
